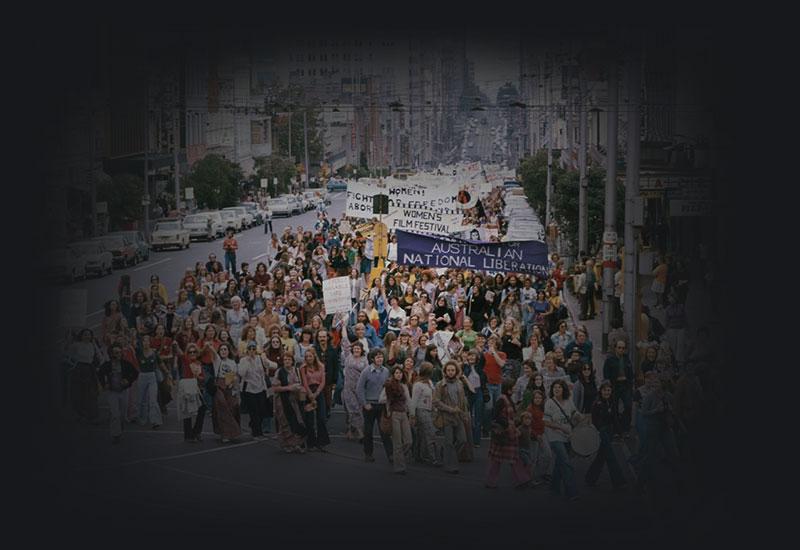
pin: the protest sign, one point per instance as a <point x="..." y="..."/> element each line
<point x="516" y="256"/>
<point x="336" y="295"/>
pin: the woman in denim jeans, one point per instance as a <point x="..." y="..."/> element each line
<point x="559" y="415"/>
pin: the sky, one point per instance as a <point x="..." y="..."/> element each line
<point x="496" y="62"/>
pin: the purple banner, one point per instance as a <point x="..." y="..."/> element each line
<point x="512" y="256"/>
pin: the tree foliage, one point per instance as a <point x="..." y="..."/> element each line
<point x="565" y="197"/>
<point x="275" y="166"/>
<point x="123" y="193"/>
<point x="215" y="181"/>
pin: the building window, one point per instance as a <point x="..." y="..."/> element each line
<point x="257" y="132"/>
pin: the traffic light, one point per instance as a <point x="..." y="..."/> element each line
<point x="380" y="204"/>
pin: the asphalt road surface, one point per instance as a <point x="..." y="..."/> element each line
<point x="155" y="486"/>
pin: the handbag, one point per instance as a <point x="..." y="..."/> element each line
<point x="385" y="422"/>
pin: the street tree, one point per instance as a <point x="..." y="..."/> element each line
<point x="287" y="104"/>
<point x="215" y="181"/>
<point x="275" y="166"/>
<point x="564" y="199"/>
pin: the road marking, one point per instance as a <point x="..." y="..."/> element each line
<point x="148" y="265"/>
<point x="196" y="453"/>
<point x="98" y="312"/>
<point x="259" y="256"/>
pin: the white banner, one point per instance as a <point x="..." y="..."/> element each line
<point x="433" y="206"/>
<point x="336" y="295"/>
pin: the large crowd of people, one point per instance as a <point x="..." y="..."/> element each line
<point x="439" y="360"/>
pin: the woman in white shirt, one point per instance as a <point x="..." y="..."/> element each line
<point x="534" y="352"/>
<point x="396" y="317"/>
<point x="560" y="416"/>
<point x="391" y="249"/>
<point x="252" y="370"/>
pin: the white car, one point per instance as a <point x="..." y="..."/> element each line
<point x="254" y="210"/>
<point x="313" y="198"/>
<point x="96" y="258"/>
<point x="169" y="233"/>
<point x="297" y="208"/>
<point x="65" y="264"/>
<point x="231" y="219"/>
<point x="216" y="222"/>
<point x="245" y="219"/>
<point x="200" y="227"/>
<point x="280" y="207"/>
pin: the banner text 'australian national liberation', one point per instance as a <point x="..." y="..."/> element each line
<point x="515" y="256"/>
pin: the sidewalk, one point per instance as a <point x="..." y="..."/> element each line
<point x="594" y="326"/>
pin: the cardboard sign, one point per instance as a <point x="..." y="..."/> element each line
<point x="336" y="295"/>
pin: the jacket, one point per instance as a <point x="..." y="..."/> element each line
<point x="129" y="373"/>
<point x="612" y="366"/>
<point x="448" y="409"/>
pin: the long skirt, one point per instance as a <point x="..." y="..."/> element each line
<point x="290" y="423"/>
<point x="84" y="391"/>
<point x="225" y="414"/>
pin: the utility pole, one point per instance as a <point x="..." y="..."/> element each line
<point x="547" y="216"/>
<point x="610" y="229"/>
<point x="634" y="76"/>
<point x="146" y="197"/>
<point x="583" y="214"/>
<point x="305" y="145"/>
<point x="176" y="139"/>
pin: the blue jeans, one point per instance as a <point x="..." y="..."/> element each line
<point x="230" y="261"/>
<point x="494" y="393"/>
<point x="563" y="470"/>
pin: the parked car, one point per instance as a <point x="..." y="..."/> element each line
<point x="137" y="238"/>
<point x="169" y="233"/>
<point x="280" y="207"/>
<point x="314" y="198"/>
<point x="231" y="219"/>
<point x="64" y="264"/>
<point x="297" y="208"/>
<point x="217" y="223"/>
<point x="123" y="251"/>
<point x="254" y="210"/>
<point x="337" y="185"/>
<point x="245" y="219"/>
<point x="199" y="226"/>
<point x="96" y="258"/>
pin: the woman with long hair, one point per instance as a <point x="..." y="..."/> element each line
<point x="190" y="400"/>
<point x="511" y="345"/>
<point x="288" y="388"/>
<point x="225" y="414"/>
<point x="354" y="363"/>
<point x="560" y="416"/>
<point x="149" y="367"/>
<point x="504" y="443"/>
<point x="432" y="357"/>
<point x="534" y="352"/>
<point x="398" y="399"/>
<point x="312" y="373"/>
<point x="584" y="390"/>
<point x="421" y="350"/>
<point x="253" y="372"/>
<point x="443" y="313"/>
<point x="605" y="417"/>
